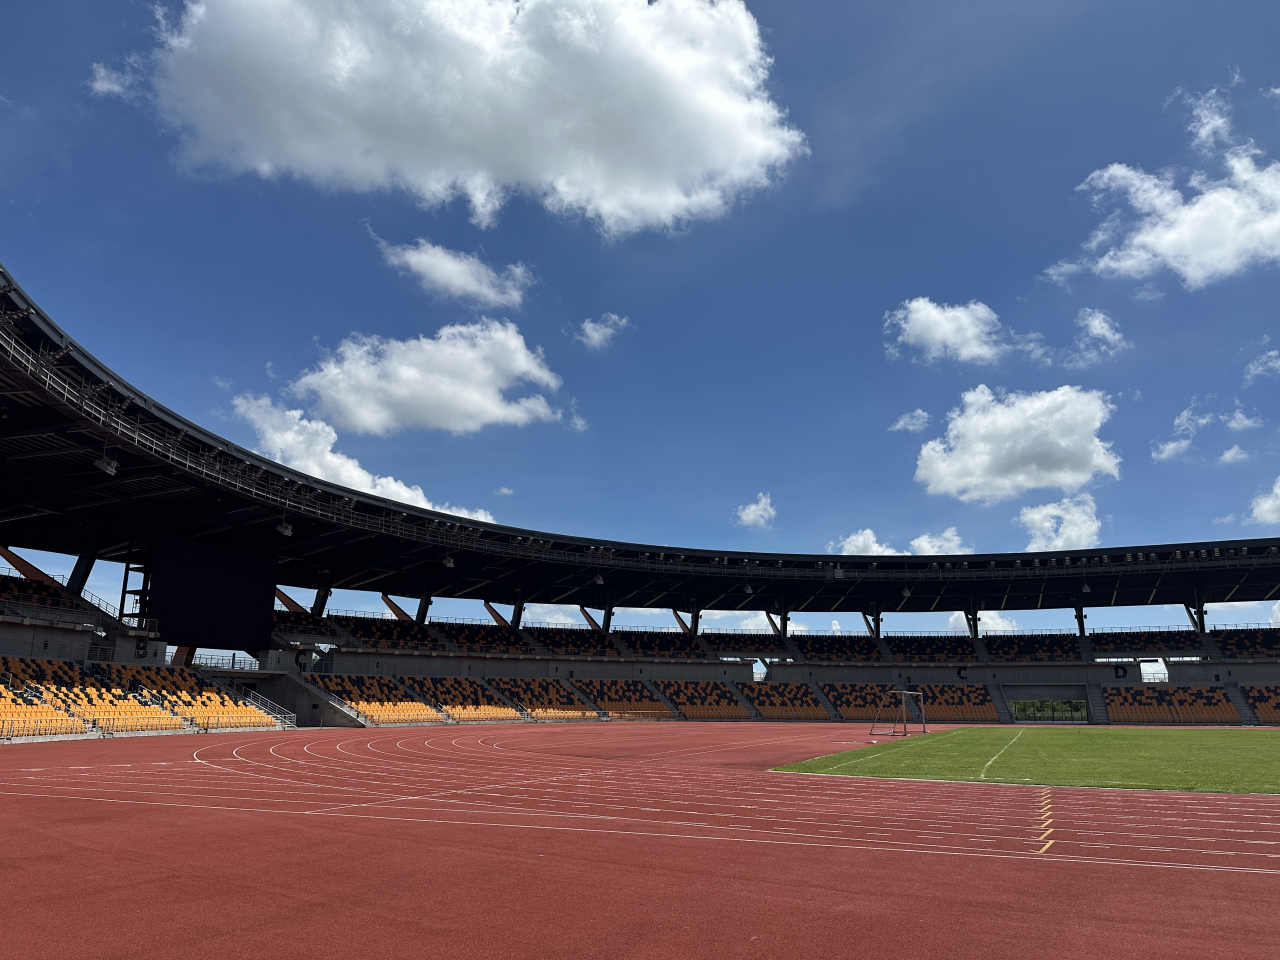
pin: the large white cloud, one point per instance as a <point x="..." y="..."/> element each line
<point x="455" y="381"/>
<point x="989" y="621"/>
<point x="998" y="446"/>
<point x="633" y="114"/>
<point x="759" y="514"/>
<point x="1266" y="506"/>
<point x="449" y="273"/>
<point x="1069" y="524"/>
<point x="1221" y="229"/>
<point x="968" y="332"/>
<point x="288" y="437"/>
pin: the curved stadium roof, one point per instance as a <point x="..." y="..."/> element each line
<point x="61" y="410"/>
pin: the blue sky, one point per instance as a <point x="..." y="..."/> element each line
<point x="814" y="219"/>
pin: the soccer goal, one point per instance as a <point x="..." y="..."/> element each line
<point x="897" y="716"/>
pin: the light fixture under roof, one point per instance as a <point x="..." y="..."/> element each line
<point x="448" y="562"/>
<point x="599" y="581"/>
<point x="284" y="528"/>
<point x="106" y="465"/>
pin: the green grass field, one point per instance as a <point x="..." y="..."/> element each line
<point x="1224" y="761"/>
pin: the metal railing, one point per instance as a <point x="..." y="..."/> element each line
<point x="236" y="661"/>
<point x="41" y="727"/>
<point x="99" y="605"/>
<point x="252" y="697"/>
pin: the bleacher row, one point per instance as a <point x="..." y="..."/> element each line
<point x="483" y="638"/>
<point x="53" y="697"/>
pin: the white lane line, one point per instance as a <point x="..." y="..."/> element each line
<point x="983" y="774"/>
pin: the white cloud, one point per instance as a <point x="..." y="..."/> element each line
<point x="1170" y="450"/>
<point x="598" y="334"/>
<point x="463" y="275"/>
<point x="1274" y="619"/>
<point x="288" y="437"/>
<point x="1069" y="524"/>
<point x="759" y="514"/>
<point x="1210" y="120"/>
<point x="1266" y="506"/>
<point x="1239" y="421"/>
<point x="633" y="114"/>
<point x="1099" y="339"/>
<point x="455" y="381"/>
<point x="1188" y="422"/>
<point x="947" y="542"/>
<point x="1267" y="365"/>
<point x="1226" y="227"/>
<point x="970" y="333"/>
<point x="106" y="82"/>
<point x="998" y="446"/>
<point x="503" y="492"/>
<point x="552" y="613"/>
<point x="912" y="422"/>
<point x="1148" y="291"/>
<point x="863" y="543"/>
<point x="1233" y="454"/>
<point x="989" y="621"/>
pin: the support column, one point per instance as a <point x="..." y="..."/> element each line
<point x="693" y="621"/>
<point x="608" y="618"/>
<point x="786" y="619"/>
<point x="873" y="623"/>
<point x="321" y="601"/>
<point x="972" y="620"/>
<point x="80" y="573"/>
<point x="1195" y="613"/>
<point x="424" y="605"/>
<point x="1081" y="617"/>
<point x="517" y="613"/>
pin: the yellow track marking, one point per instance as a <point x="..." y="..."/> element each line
<point x="1045" y="834"/>
<point x="1046" y="846"/>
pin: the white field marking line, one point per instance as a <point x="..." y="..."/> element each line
<point x="864" y="754"/>
<point x="983" y="774"/>
<point x="886" y="847"/>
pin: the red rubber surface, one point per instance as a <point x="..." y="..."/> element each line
<point x="620" y="840"/>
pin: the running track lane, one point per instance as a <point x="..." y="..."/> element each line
<point x="605" y="840"/>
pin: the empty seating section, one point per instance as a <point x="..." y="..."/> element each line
<point x="784" y="701"/>
<point x="958" y="703"/>
<point x="861" y="701"/>
<point x="184" y="693"/>
<point x="624" y="699"/>
<point x="482" y="637"/>
<point x="384" y="634"/>
<point x="702" y="699"/>
<point x="21" y="590"/>
<point x="461" y="698"/>
<point x="661" y="643"/>
<point x="947" y="648"/>
<point x="731" y="643"/>
<point x="849" y="647"/>
<point x="25" y="712"/>
<point x="570" y="642"/>
<point x="1265" y="701"/>
<point x="1248" y="644"/>
<point x="307" y="624"/>
<point x="543" y="699"/>
<point x="1147" y="641"/>
<point x="107" y="706"/>
<point x="378" y="698"/>
<point x="1033" y="648"/>
<point x="1149" y="704"/>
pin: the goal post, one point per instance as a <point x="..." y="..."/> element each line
<point x="898" y="715"/>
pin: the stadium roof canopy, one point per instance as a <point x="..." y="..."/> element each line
<point x="90" y="465"/>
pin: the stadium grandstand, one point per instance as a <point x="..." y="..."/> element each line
<point x="225" y="530"/>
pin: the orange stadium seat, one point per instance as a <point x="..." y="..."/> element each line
<point x="659" y="644"/>
<point x="544" y="699"/>
<point x="784" y="701"/>
<point x="1147" y="641"/>
<point x="382" y="633"/>
<point x="574" y="642"/>
<point x="731" y="643"/>
<point x="624" y="699"/>
<point x="861" y="701"/>
<point x="186" y="694"/>
<point x="307" y="624"/>
<point x="489" y="638"/>
<point x="1160" y="704"/>
<point x="847" y="647"/>
<point x="98" y="701"/>
<point x="958" y="703"/>
<point x="945" y="648"/>
<point x="379" y="698"/>
<point x="703" y="699"/>
<point x="1033" y="648"/>
<point x="1265" y="700"/>
<point x="1261" y="644"/>
<point x="461" y="698"/>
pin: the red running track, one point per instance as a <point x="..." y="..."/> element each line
<point x="620" y="840"/>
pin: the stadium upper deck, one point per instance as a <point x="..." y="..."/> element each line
<point x="94" y="467"/>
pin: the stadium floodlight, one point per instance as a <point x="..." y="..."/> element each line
<point x="599" y="581"/>
<point x="1086" y="589"/>
<point x="106" y="465"/>
<point x="906" y="592"/>
<point x="448" y="562"/>
<point x="284" y="528"/>
<point x="748" y="588"/>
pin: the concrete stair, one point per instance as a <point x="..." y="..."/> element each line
<point x="742" y="699"/>
<point x="1236" y="696"/>
<point x="622" y="647"/>
<point x="1211" y="649"/>
<point x="440" y="638"/>
<point x="1086" y="649"/>
<point x="584" y="699"/>
<point x="537" y="647"/>
<point x="287" y="720"/>
<point x="793" y="651"/>
<point x="980" y="648"/>
<point x="661" y="698"/>
<point x="1097" y="704"/>
<point x="1001" y="702"/>
<point x="885" y="653"/>
<point x="505" y="700"/>
<point x="336" y="703"/>
<point x="827" y="705"/>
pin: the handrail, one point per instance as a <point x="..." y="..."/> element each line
<point x="286" y="719"/>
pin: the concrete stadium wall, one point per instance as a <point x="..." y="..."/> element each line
<point x="42" y="642"/>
